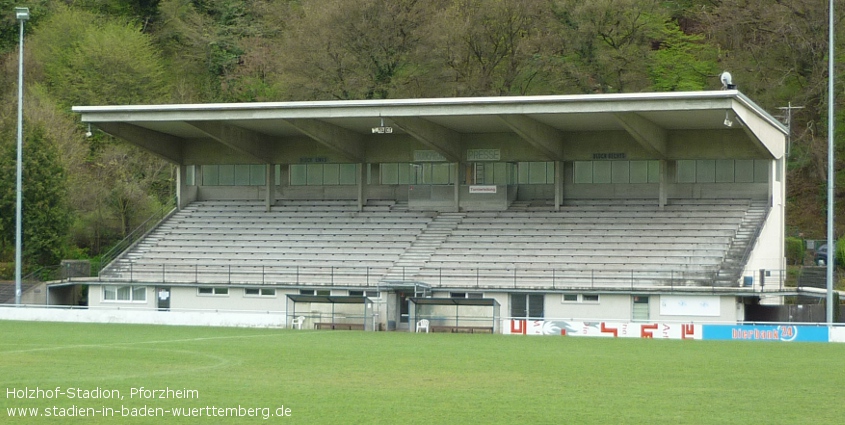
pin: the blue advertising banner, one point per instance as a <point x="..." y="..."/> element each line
<point x="785" y="333"/>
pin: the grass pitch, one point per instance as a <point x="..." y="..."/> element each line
<point x="334" y="377"/>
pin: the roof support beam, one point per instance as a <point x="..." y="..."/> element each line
<point x="240" y="139"/>
<point x="162" y="145"/>
<point x="339" y="139"/>
<point x="444" y="141"/>
<point x="544" y="138"/>
<point x="649" y="135"/>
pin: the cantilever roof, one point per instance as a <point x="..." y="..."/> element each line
<point x="346" y="126"/>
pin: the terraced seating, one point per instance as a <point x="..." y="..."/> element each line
<point x="598" y="243"/>
<point x="297" y="242"/>
<point x="589" y="243"/>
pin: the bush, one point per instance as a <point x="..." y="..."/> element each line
<point x="840" y="252"/>
<point x="794" y="251"/>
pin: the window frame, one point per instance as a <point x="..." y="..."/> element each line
<point x="132" y="290"/>
<point x="216" y="291"/>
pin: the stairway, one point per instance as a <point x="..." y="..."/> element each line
<point x="420" y="251"/>
<point x="733" y="264"/>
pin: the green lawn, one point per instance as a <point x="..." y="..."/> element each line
<point x="341" y="377"/>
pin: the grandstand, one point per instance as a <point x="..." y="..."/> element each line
<point x="594" y="206"/>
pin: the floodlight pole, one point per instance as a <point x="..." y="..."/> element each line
<point x="22" y="15"/>
<point x="831" y="247"/>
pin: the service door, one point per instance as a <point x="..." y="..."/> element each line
<point x="163" y="299"/>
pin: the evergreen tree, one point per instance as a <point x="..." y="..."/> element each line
<point x="46" y="216"/>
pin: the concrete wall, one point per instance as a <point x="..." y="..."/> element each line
<point x="127" y="314"/>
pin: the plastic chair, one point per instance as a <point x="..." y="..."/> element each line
<point x="297" y="323"/>
<point x="422" y="324"/>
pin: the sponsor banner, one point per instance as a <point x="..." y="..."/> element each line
<point x="604" y="329"/>
<point x="785" y="333"/>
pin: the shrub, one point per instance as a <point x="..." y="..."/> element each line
<point x="794" y="251"/>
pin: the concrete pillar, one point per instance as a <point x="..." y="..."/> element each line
<point x="270" y="195"/>
<point x="663" y="182"/>
<point x="455" y="169"/>
<point x="362" y="182"/>
<point x="558" y="184"/>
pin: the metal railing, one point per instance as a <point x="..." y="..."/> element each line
<point x="510" y="277"/>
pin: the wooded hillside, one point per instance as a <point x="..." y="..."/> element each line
<point x="106" y="52"/>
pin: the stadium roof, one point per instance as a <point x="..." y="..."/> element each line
<point x="255" y="130"/>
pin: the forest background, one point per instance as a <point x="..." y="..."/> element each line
<point x="84" y="194"/>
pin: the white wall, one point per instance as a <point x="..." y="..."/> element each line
<point x="265" y="319"/>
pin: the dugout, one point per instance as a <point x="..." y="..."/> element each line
<point x="330" y="312"/>
<point x="457" y="315"/>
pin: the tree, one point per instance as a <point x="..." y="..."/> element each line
<point x="353" y="50"/>
<point x="89" y="59"/>
<point x="46" y="216"/>
<point x="492" y="47"/>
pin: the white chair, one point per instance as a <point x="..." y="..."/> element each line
<point x="297" y="323"/>
<point x="422" y="324"/>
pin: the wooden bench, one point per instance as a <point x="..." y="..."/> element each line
<point x="463" y="329"/>
<point x="339" y="326"/>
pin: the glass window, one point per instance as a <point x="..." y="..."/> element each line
<point x="527" y="305"/>
<point x="654" y="171"/>
<point x="298" y="175"/>
<point x="389" y="173"/>
<point x="705" y="171"/>
<point x="210" y="175"/>
<point x="724" y="171"/>
<point x="190" y="175"/>
<point x="139" y="293"/>
<point x="314" y="175"/>
<point x="744" y="171"/>
<point x="590" y="298"/>
<point x="331" y="174"/>
<point x="639" y="171"/>
<point x="226" y="175"/>
<point x="686" y="171"/>
<point x="761" y="170"/>
<point x="124" y="293"/>
<point x="257" y="175"/>
<point x="441" y="173"/>
<point x="640" y="310"/>
<point x="570" y="298"/>
<point x="260" y="292"/>
<point x="348" y="174"/>
<point x="601" y="172"/>
<point x="620" y="172"/>
<point x="241" y="175"/>
<point x="536" y="172"/>
<point x="204" y="290"/>
<point x="583" y="172"/>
